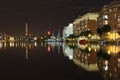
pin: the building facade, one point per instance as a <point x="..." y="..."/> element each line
<point x="110" y="15"/>
<point x="76" y="27"/>
<point x="68" y="30"/>
<point x="85" y="22"/>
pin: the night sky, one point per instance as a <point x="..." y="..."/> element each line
<point x="43" y="15"/>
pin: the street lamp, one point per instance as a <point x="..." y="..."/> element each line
<point x="89" y="36"/>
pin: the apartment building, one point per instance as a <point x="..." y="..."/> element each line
<point x="85" y="22"/>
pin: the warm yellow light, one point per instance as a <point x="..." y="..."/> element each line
<point x="113" y="35"/>
<point x="89" y="48"/>
<point x="89" y="35"/>
<point x="108" y="52"/>
<point x="108" y="33"/>
<point x="118" y="59"/>
<point x="41" y="38"/>
<point x="95" y="50"/>
<point x="11" y="44"/>
<point x="111" y="49"/>
<point x="11" y="39"/>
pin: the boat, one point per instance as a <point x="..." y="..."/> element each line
<point x="83" y="41"/>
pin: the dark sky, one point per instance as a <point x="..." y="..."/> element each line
<point x="43" y="15"/>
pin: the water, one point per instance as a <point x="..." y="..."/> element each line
<point x="59" y="61"/>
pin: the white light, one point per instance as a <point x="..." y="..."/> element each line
<point x="105" y="16"/>
<point x="70" y="57"/>
<point x="106" y="68"/>
<point x="35" y="44"/>
<point x="35" y="38"/>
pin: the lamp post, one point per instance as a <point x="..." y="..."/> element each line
<point x="89" y="36"/>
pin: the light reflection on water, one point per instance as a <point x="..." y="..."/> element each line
<point x="93" y="57"/>
<point x="90" y="57"/>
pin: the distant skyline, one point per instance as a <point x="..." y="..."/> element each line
<point x="43" y="15"/>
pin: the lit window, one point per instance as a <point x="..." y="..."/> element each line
<point x="110" y="10"/>
<point x="105" y="17"/>
<point x="106" y="22"/>
<point x="118" y="19"/>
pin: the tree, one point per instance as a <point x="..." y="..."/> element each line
<point x="82" y="33"/>
<point x="106" y="28"/>
<point x="99" y="31"/>
<point x="87" y="33"/>
<point x="71" y="36"/>
<point x="118" y="32"/>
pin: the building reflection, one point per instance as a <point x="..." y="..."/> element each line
<point x="67" y="51"/>
<point x="82" y="55"/>
<point x="86" y="57"/>
<point x="109" y="62"/>
<point x="93" y="57"/>
<point x="52" y="45"/>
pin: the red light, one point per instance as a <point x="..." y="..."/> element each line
<point x="49" y="49"/>
<point x="49" y="32"/>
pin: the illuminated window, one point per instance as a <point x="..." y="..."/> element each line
<point x="110" y="10"/>
<point x="105" y="17"/>
<point x="105" y="22"/>
<point x="118" y="20"/>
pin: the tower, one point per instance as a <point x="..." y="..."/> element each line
<point x="58" y="36"/>
<point x="26" y="29"/>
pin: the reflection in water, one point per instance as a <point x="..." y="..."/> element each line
<point x="109" y="62"/>
<point x="52" y="45"/>
<point x="26" y="52"/>
<point x="87" y="60"/>
<point x="93" y="57"/>
<point x="27" y="46"/>
<point x="83" y="55"/>
<point x="68" y="51"/>
<point x="49" y="48"/>
<point x="90" y="57"/>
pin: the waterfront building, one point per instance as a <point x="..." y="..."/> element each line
<point x="68" y="30"/>
<point x="76" y="27"/>
<point x="85" y="22"/>
<point x="110" y="15"/>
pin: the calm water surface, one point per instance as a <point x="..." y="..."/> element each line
<point x="59" y="61"/>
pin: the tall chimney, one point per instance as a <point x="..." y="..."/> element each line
<point x="26" y="29"/>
